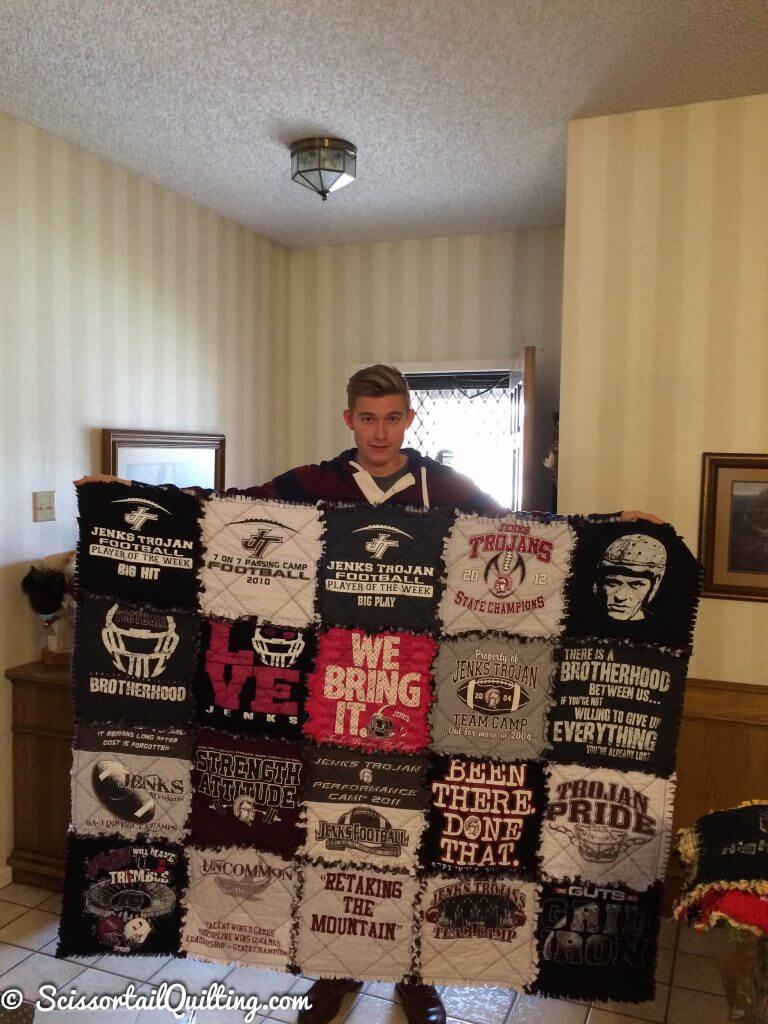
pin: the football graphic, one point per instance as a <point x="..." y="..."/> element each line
<point x="493" y="696"/>
<point x="109" y="781"/>
<point x="504" y="573"/>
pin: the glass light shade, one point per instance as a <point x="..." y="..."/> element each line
<point x="324" y="165"/>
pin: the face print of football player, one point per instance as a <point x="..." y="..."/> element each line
<point x="629" y="576"/>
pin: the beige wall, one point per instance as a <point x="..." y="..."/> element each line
<point x="120" y="305"/>
<point x="665" y="326"/>
<point x="432" y="302"/>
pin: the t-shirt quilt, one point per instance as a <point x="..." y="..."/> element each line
<point x="378" y="742"/>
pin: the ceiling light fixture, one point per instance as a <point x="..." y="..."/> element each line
<point x="324" y="165"/>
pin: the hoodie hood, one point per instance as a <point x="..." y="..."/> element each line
<point x="347" y="467"/>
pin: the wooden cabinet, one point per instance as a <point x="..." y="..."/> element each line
<point x="42" y="759"/>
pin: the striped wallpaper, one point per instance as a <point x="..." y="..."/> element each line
<point x="443" y="302"/>
<point x="665" y="326"/>
<point x="120" y="305"/>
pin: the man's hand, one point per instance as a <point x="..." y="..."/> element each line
<point x="630" y="517"/>
<point x="100" y="478"/>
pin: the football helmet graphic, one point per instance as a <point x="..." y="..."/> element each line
<point x="600" y="844"/>
<point x="277" y="647"/>
<point x="137" y="931"/>
<point x="139" y="642"/>
<point x="380" y="727"/>
<point x="630" y="574"/>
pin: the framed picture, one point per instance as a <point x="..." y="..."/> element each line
<point x="164" y="457"/>
<point x="733" y="526"/>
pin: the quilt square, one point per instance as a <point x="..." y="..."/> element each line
<point x="382" y="568"/>
<point x="730" y="846"/>
<point x="506" y="573"/>
<point x="140" y="543"/>
<point x="131" y="780"/>
<point x="120" y="897"/>
<point x="606" y="826"/>
<point x="491" y="696"/>
<point x="246" y="792"/>
<point x="618" y="705"/>
<point x="237" y="907"/>
<point x="132" y="663"/>
<point x="252" y="677"/>
<point x="478" y="930"/>
<point x="260" y="560"/>
<point x="598" y="942"/>
<point x="485" y="815"/>
<point x="636" y="581"/>
<point x="355" y="923"/>
<point x="365" y="809"/>
<point x="371" y="690"/>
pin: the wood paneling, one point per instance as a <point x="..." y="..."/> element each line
<point x="722" y="754"/>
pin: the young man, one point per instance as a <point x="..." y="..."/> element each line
<point x="378" y="469"/>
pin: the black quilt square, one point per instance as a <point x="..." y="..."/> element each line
<point x="597" y="943"/>
<point x="635" y="581"/>
<point x="252" y="677"/>
<point x="121" y="897"/>
<point x="383" y="568"/>
<point x="133" y="664"/>
<point x="139" y="542"/>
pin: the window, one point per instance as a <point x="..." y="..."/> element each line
<point x="472" y="421"/>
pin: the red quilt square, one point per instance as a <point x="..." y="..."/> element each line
<point x="371" y="691"/>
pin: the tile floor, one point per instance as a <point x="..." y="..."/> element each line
<point x="689" y="990"/>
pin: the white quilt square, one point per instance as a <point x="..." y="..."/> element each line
<point x="606" y="826"/>
<point x="260" y="559"/>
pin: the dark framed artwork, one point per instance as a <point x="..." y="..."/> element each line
<point x="164" y="457"/>
<point x="733" y="526"/>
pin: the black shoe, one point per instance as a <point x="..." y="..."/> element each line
<point x="326" y="995"/>
<point x="421" y="1004"/>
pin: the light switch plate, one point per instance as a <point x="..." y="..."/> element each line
<point x="43" y="506"/>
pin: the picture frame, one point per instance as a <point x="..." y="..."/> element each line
<point x="164" y="457"/>
<point x="733" y="526"/>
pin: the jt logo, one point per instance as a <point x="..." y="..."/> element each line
<point x="258" y="543"/>
<point x="379" y="545"/>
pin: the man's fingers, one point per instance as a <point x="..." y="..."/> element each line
<point x="631" y="517"/>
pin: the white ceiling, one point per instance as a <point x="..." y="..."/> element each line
<point x="459" y="107"/>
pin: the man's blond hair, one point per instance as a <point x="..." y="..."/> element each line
<point x="375" y="381"/>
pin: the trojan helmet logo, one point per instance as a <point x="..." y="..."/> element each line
<point x="263" y="538"/>
<point x="139" y="642"/>
<point x="140" y="514"/>
<point x="383" y="538"/>
<point x="504" y="573"/>
<point x="278" y="648"/>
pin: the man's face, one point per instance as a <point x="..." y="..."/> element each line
<point x="379" y="425"/>
<point x="625" y="595"/>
